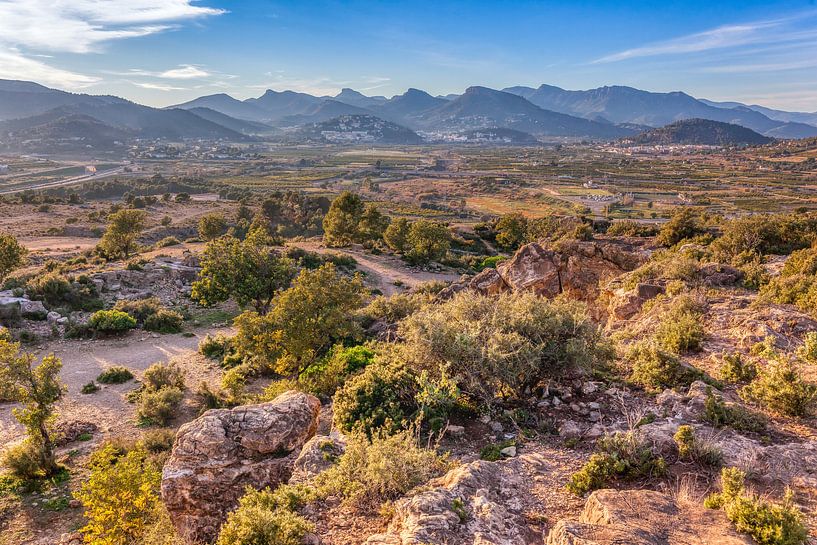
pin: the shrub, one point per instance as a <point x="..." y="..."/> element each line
<point x="158" y="406"/>
<point x="631" y="228"/>
<point x="381" y="398"/>
<point x="111" y="321"/>
<point x="718" y="413"/>
<point x="623" y="455"/>
<point x="215" y="346"/>
<point x="654" y="369"/>
<point x="681" y="329"/>
<point x="493" y="452"/>
<point x="394" y="308"/>
<point x="692" y="448"/>
<point x="121" y="496"/>
<point x="157" y="441"/>
<point x="685" y="223"/>
<point x="780" y="388"/>
<point x="328" y="374"/>
<point x="501" y="346"/>
<point x="808" y="351"/>
<point x="167" y="241"/>
<point x="55" y="291"/>
<point x="372" y="471"/>
<point x="159" y="375"/>
<point x="140" y="309"/>
<point x="267" y="516"/>
<point x="734" y="370"/>
<point x="89" y="388"/>
<point x="23" y="460"/>
<point x="164" y="321"/>
<point x="427" y="241"/>
<point x="114" y="375"/>
<point x="766" y="522"/>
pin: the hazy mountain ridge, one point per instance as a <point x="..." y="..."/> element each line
<point x="703" y="132"/>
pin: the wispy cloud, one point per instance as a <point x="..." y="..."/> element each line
<point x="157" y="86"/>
<point x="32" y="27"/>
<point x="181" y="72"/>
<point x="723" y="37"/>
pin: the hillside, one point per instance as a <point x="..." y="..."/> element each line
<point x="702" y="132"/>
<point x="356" y="129"/>
<point x="61" y="130"/>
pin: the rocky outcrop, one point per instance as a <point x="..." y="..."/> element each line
<point x="317" y="455"/>
<point x="644" y="517"/>
<point x="218" y="455"/>
<point x="627" y="303"/>
<point x="574" y="267"/>
<point x="475" y="504"/>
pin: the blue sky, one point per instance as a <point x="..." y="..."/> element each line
<point x="162" y="52"/>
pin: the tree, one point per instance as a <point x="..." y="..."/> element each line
<point x="685" y="223"/>
<point x="212" y="226"/>
<point x="396" y="234"/>
<point x="511" y="230"/>
<point x="37" y="388"/>
<point x="427" y="241"/>
<point x="249" y="270"/>
<point x="372" y="224"/>
<point x="12" y="255"/>
<point x="124" y="228"/>
<point x="305" y="322"/>
<point x="341" y="223"/>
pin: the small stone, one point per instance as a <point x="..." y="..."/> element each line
<point x="456" y="431"/>
<point x="508" y="452"/>
<point x="497" y="427"/>
<point x="569" y="430"/>
<point x="594" y="406"/>
<point x="556" y="401"/>
<point x="484" y="418"/>
<point x="595" y="431"/>
<point x="575" y="407"/>
<point x="74" y="504"/>
<point x="590" y="388"/>
<point x="594" y="416"/>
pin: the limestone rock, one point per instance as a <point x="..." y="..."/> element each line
<point x="218" y="455"/>
<point x="644" y="517"/>
<point x="317" y="455"/>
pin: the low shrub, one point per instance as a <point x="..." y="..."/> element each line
<point x="694" y="449"/>
<point x="215" y="346"/>
<point x="157" y="441"/>
<point x="56" y="290"/>
<point x="114" y="375"/>
<point x="631" y="228"/>
<point x="719" y="413"/>
<point x="623" y="455"/>
<point x="766" y="522"/>
<point x="734" y="370"/>
<point x="267" y="516"/>
<point x="493" y="452"/>
<point x="111" y="321"/>
<point x="655" y="369"/>
<point x="780" y="388"/>
<point x="167" y="241"/>
<point x="140" y="309"/>
<point x="394" y="308"/>
<point x="164" y="321"/>
<point x="328" y="374"/>
<point x="681" y="329"/>
<point x="158" y="406"/>
<point x="808" y="351"/>
<point x="23" y="460"/>
<point x="89" y="388"/>
<point x="160" y="374"/>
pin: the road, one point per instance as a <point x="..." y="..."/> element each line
<point x="67" y="181"/>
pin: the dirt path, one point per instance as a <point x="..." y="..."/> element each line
<point x="83" y="361"/>
<point x="383" y="271"/>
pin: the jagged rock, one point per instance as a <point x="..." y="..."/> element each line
<point x="34" y="310"/>
<point x="68" y="432"/>
<point x="644" y="517"/>
<point x="627" y="303"/>
<point x="218" y="455"/>
<point x="575" y="267"/>
<point x="317" y="455"/>
<point x="474" y="504"/>
<point x="718" y="274"/>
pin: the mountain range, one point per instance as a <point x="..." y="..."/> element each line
<point x="701" y="132"/>
<point x="32" y="112"/>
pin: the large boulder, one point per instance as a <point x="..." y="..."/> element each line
<point x="644" y="517"/>
<point x="218" y="455"/>
<point x="479" y="503"/>
<point x="573" y="267"/>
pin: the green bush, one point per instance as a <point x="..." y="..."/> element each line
<point x="23" y="460"/>
<point x="328" y="374"/>
<point x="57" y="291"/>
<point x="684" y="224"/>
<point x="692" y="448"/>
<point x="158" y="406"/>
<point x="164" y="321"/>
<point x="623" y="455"/>
<point x="394" y="308"/>
<point x="655" y="369"/>
<point x="267" y="517"/>
<point x="215" y="346"/>
<point x="734" y="370"/>
<point x="114" y="375"/>
<point x="808" y="351"/>
<point x="381" y="398"/>
<point x="140" y="309"/>
<point x="157" y="441"/>
<point x="160" y="374"/>
<point x="766" y="522"/>
<point x="631" y="228"/>
<point x="680" y="329"/>
<point x="111" y="321"/>
<point x="780" y="388"/>
<point x="719" y="413"/>
<point x="89" y="388"/>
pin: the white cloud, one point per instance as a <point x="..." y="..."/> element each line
<point x="34" y="27"/>
<point x="187" y="71"/>
<point x="157" y="86"/>
<point x="723" y="37"/>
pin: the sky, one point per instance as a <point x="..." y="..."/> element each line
<point x="163" y="52"/>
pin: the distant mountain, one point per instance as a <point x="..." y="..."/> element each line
<point x="620" y="104"/>
<point x="779" y="115"/>
<point x="285" y="103"/>
<point x="480" y="107"/>
<point x="238" y="125"/>
<point x="25" y="99"/>
<point x="226" y="105"/>
<point x="355" y="98"/>
<point x="703" y="132"/>
<point x="321" y="111"/>
<point x="358" y="129"/>
<point x="60" y="130"/>
<point x="408" y="106"/>
<point x="499" y="136"/>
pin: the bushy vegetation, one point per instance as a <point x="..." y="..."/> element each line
<point x="655" y="368"/>
<point x="685" y="223"/>
<point x="764" y="234"/>
<point x="350" y="220"/>
<point x="58" y="291"/>
<point x="394" y="308"/>
<point x="267" y="516"/>
<point x="766" y="522"/>
<point x="623" y="455"/>
<point x="111" y="321"/>
<point x="694" y="449"/>
<point x="630" y="228"/>
<point x="779" y="387"/>
<point x="139" y="309"/>
<point x="114" y="375"/>
<point x="720" y="413"/>
<point x="797" y="282"/>
<point x="120" y="238"/>
<point x="735" y="370"/>
<point x="161" y="392"/>
<point x="326" y="375"/>
<point x="164" y="321"/>
<point x="12" y="255"/>
<point x="680" y="328"/>
<point x="502" y="346"/>
<point x="215" y="346"/>
<point x="212" y="226"/>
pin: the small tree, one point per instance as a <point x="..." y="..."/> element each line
<point x="427" y="241"/>
<point x="37" y="388"/>
<point x="12" y="255"/>
<point x="341" y="223"/>
<point x="212" y="226"/>
<point x="124" y="228"/>
<point x="372" y="224"/>
<point x="249" y="270"/>
<point x="396" y="234"/>
<point x="306" y="320"/>
<point x="685" y="223"/>
<point x="511" y="230"/>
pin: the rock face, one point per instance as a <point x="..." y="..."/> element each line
<point x="218" y="455"/>
<point x="574" y="267"/>
<point x="474" y="504"/>
<point x="644" y="517"/>
<point x="318" y="454"/>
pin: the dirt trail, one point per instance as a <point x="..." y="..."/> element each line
<point x="83" y="361"/>
<point x="382" y="271"/>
